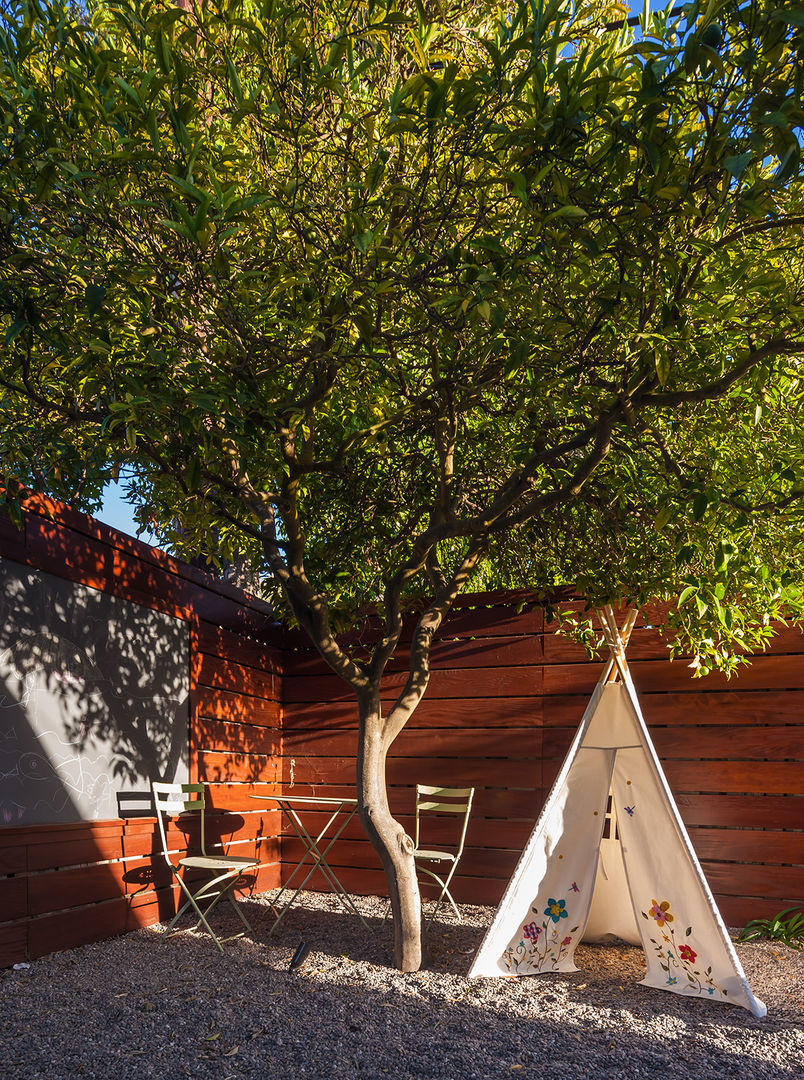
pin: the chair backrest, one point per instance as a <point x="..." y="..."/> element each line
<point x="170" y="800"/>
<point x="444" y="800"/>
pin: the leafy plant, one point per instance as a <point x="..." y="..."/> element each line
<point x="790" y="930"/>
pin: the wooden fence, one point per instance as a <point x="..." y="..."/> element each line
<point x="505" y="697"/>
<point x="64" y="885"/>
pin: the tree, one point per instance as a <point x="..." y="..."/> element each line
<point x="395" y="296"/>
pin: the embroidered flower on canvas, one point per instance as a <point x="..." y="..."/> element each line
<point x="679" y="961"/>
<point x="556" y="909"/>
<point x="660" y="912"/>
<point x="542" y="948"/>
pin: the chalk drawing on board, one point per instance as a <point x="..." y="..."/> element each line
<point x="93" y="698"/>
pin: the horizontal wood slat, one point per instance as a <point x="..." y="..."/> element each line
<point x="749" y="846"/>
<point x="444" y="683"/>
<point x="751" y="777"/>
<point x="226" y="705"/>
<point x="691" y="709"/>
<point x="468" y="772"/>
<point x="218" y="767"/>
<point x="746" y="881"/>
<point x="743" y="811"/>
<point x="652" y="676"/>
<point x="475" y="653"/>
<point x="455" y="743"/>
<point x="707" y="743"/>
<point x="481" y="832"/>
<point x="431" y="713"/>
<point x="13" y="898"/>
<point x="68" y="929"/>
<point x="13" y="944"/>
<point x="236" y="737"/>
<point x="223" y="675"/>
<point x="251" y="651"/>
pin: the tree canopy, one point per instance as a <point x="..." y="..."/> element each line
<point x="393" y="296"/>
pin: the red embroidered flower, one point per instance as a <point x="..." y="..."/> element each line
<point x="531" y="930"/>
<point x="566" y="941"/>
<point x="687" y="954"/>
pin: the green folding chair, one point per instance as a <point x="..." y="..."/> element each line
<point x="436" y="801"/>
<point x="223" y="871"/>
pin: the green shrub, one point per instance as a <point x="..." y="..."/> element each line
<point x="779" y="928"/>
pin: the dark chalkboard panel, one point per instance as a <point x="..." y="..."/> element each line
<point x="94" y="697"/>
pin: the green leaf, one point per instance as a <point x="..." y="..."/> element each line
<point x="15" y="330"/>
<point x="234" y="80"/>
<point x="363" y="241"/>
<point x="653" y="154"/>
<point x="690" y="590"/>
<point x="188" y="188"/>
<point x="663" y="366"/>
<point x="129" y="90"/>
<point x="14" y="512"/>
<point x="194" y="474"/>
<point x="738" y="163"/>
<point x="94" y="296"/>
<point x="575" y="213"/>
<point x="793" y="16"/>
<point x="163" y="54"/>
<point x="394" y="18"/>
<point x="699" y="505"/>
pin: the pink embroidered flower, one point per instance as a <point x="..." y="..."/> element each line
<point x="531" y="930"/>
<point x="687" y="954"/>
<point x="566" y="941"/>
<point x="661" y="912"/>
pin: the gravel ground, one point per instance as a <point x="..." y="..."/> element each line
<point x="140" y="1006"/>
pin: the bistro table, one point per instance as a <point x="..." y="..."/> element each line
<point x="295" y="807"/>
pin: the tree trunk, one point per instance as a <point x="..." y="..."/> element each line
<point x="389" y="839"/>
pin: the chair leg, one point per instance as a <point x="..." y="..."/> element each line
<point x="444" y="892"/>
<point x="222" y="894"/>
<point x="191" y="901"/>
<point x="236" y="906"/>
<point x="225" y="893"/>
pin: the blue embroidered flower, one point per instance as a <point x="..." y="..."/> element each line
<point x="711" y="990"/>
<point x="672" y="980"/>
<point x="556" y="909"/>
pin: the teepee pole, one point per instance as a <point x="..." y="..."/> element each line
<point x="617" y="641"/>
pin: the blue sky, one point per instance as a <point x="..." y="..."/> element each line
<point x="119" y="514"/>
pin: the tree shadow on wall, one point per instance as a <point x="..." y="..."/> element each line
<point x="93" y="698"/>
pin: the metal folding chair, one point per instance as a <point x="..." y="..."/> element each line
<point x="436" y="801"/>
<point x="223" y="871"/>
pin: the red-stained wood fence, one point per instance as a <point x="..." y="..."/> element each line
<point x="67" y="884"/>
<point x="505" y="697"/>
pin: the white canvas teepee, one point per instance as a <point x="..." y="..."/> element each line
<point x="610" y="855"/>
